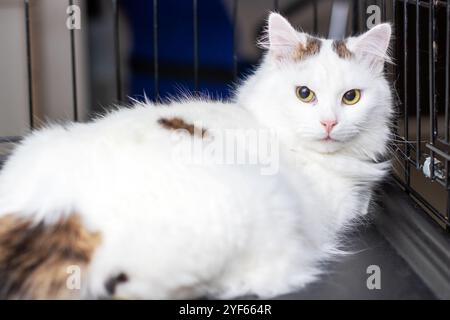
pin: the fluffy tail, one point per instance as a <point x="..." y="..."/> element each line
<point x="38" y="260"/>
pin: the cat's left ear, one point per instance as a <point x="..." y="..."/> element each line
<point x="281" y="39"/>
<point x="372" y="47"/>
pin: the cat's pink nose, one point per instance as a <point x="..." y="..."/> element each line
<point x="328" y="125"/>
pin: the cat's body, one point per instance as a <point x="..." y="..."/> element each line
<point x="142" y="222"/>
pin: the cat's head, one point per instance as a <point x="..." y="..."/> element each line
<point x="325" y="95"/>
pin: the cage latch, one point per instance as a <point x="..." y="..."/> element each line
<point x="439" y="169"/>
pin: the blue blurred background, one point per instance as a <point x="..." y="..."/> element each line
<point x="176" y="47"/>
<point x="225" y="51"/>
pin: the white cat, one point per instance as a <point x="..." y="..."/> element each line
<point x="112" y="208"/>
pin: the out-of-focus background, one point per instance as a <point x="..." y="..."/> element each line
<point x="96" y="56"/>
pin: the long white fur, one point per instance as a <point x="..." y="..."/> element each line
<point x="184" y="231"/>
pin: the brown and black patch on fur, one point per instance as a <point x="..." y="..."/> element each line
<point x="311" y="48"/>
<point x="179" y="124"/>
<point x="340" y="47"/>
<point x="112" y="283"/>
<point x="34" y="257"/>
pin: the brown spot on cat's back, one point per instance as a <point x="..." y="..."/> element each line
<point x="112" y="283"/>
<point x="340" y="47"/>
<point x="179" y="124"/>
<point x="311" y="48"/>
<point x="35" y="258"/>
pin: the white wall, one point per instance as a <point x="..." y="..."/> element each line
<point x="13" y="69"/>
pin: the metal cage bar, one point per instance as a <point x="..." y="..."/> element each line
<point x="195" y="33"/>
<point x="155" y="51"/>
<point x="119" y="94"/>
<point x="418" y="108"/>
<point x="383" y="10"/>
<point x="235" y="57"/>
<point x="74" y="71"/>
<point x="355" y="22"/>
<point x="315" y="17"/>
<point x="365" y="5"/>
<point x="431" y="96"/>
<point x="405" y="93"/>
<point x="447" y="103"/>
<point x="395" y="54"/>
<point x="447" y="67"/>
<point x="29" y="63"/>
<point x="427" y="4"/>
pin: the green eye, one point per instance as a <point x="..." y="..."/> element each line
<point x="351" y="97"/>
<point x="305" y="94"/>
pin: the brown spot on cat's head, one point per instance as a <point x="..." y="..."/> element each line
<point x="311" y="48"/>
<point x="35" y="259"/>
<point x="340" y="47"/>
<point x="179" y="124"/>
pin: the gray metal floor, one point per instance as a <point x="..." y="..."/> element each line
<point x="346" y="278"/>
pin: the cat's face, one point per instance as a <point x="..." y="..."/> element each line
<point x="328" y="95"/>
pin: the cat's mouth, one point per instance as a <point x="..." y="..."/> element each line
<point x="329" y="139"/>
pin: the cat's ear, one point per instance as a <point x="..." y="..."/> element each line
<point x="372" y="47"/>
<point x="281" y="38"/>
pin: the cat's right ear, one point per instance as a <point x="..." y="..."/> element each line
<point x="281" y="39"/>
